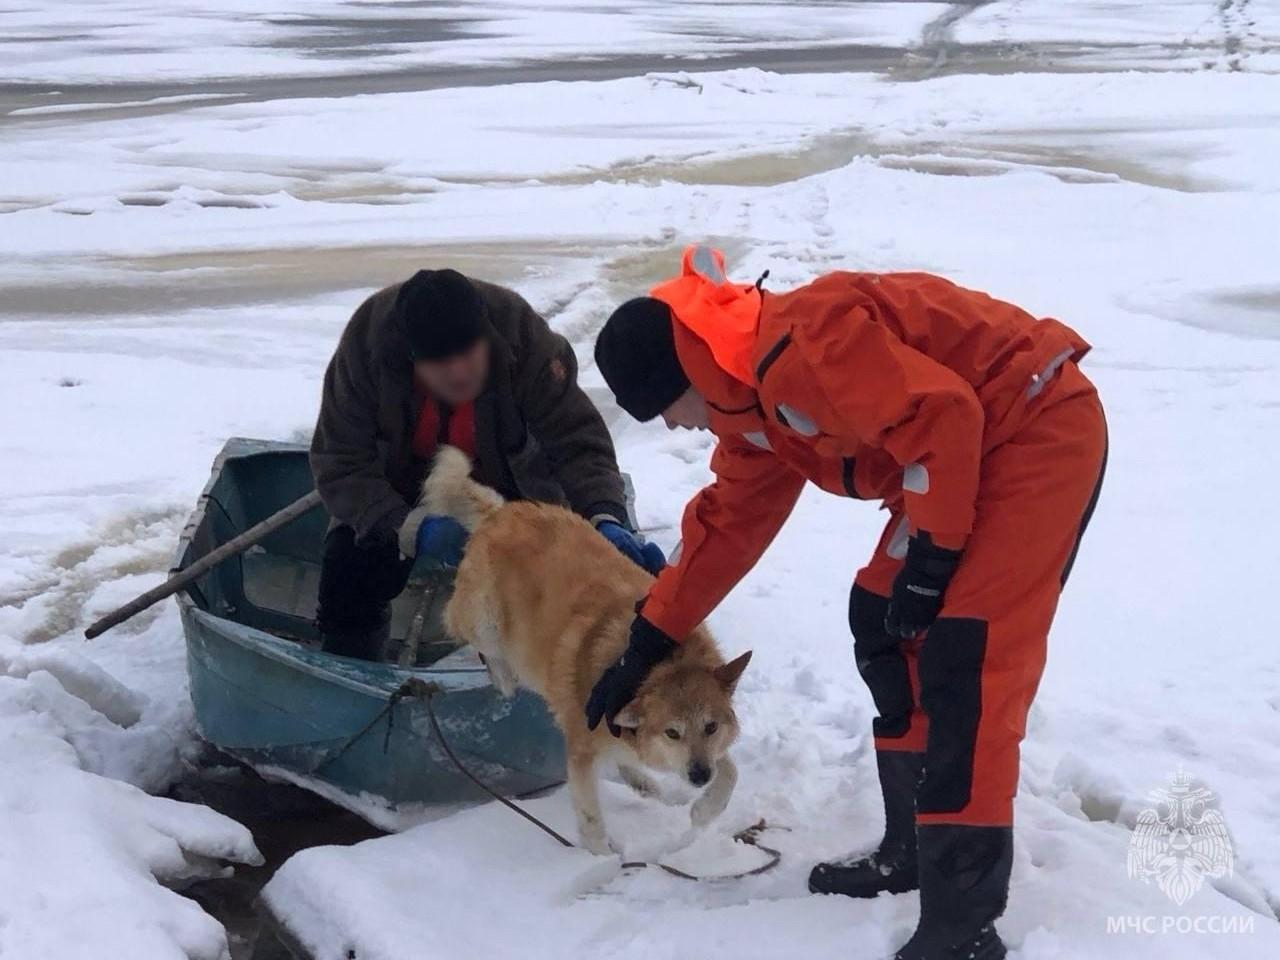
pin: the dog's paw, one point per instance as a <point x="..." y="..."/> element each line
<point x="506" y="689"/>
<point x="502" y="676"/>
<point x="638" y="781"/>
<point x="705" y="809"/>
<point x="597" y="843"/>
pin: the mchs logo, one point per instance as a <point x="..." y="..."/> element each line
<point x="1180" y="841"/>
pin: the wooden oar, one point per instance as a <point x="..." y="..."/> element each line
<point x="235" y="545"/>
<point x="409" y="652"/>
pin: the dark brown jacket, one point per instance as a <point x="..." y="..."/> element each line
<point x="538" y="437"/>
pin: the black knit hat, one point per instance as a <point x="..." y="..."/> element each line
<point x="441" y="313"/>
<point x="636" y="352"/>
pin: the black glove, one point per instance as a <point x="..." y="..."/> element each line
<point x="919" y="586"/>
<point x="617" y="686"/>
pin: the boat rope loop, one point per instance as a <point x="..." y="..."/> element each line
<point x="417" y="689"/>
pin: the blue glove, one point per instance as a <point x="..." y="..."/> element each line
<point x="649" y="556"/>
<point x="441" y="539"/>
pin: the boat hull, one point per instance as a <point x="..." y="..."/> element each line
<point x="286" y="708"/>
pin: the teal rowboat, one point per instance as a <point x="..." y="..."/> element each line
<point x="266" y="695"/>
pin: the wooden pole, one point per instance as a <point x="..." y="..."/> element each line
<point x="409" y="652"/>
<point x="236" y="545"/>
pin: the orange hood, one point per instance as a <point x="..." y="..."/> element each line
<point x="723" y="315"/>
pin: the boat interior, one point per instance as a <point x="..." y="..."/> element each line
<point x="273" y="586"/>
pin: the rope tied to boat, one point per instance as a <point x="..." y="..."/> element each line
<point x="417" y="689"/>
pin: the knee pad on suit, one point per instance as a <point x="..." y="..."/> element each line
<point x="880" y="662"/>
<point x="951" y="661"/>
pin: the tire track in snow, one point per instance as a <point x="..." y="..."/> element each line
<point x="1233" y="16"/>
<point x="937" y="36"/>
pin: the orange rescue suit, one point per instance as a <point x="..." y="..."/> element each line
<point x="907" y="388"/>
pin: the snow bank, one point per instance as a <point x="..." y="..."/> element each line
<point x="81" y="678"/>
<point x="86" y="860"/>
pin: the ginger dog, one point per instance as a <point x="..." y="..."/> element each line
<point x="548" y="602"/>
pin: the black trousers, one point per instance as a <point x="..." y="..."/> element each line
<point x="357" y="584"/>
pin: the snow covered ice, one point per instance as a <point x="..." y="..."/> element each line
<point x="193" y="197"/>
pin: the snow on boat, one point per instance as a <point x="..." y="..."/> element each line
<point x="265" y="694"/>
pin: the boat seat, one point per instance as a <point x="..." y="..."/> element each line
<point x="290" y="586"/>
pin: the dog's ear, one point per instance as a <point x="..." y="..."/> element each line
<point x="628" y="717"/>
<point x="728" y="673"/>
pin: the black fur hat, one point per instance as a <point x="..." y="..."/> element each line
<point x="636" y="353"/>
<point x="441" y="313"/>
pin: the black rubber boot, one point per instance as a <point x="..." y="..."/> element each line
<point x="891" y="868"/>
<point x="964" y="884"/>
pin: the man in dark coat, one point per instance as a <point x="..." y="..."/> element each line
<point x="440" y="359"/>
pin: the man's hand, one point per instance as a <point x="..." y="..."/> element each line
<point x="646" y="555"/>
<point x="919" y="586"/>
<point x="617" y="686"/>
<point x="442" y="539"/>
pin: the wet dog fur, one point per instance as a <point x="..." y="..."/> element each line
<point x="548" y="602"/>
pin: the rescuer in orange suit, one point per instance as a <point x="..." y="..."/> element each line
<point x="970" y="420"/>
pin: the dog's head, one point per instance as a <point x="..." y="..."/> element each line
<point x="683" y="718"/>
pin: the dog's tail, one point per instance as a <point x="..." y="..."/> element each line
<point x="449" y="490"/>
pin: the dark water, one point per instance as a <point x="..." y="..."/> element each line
<point x="284" y="819"/>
